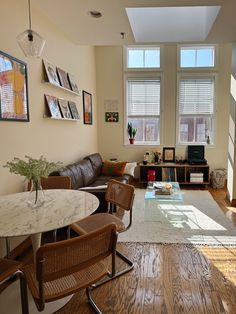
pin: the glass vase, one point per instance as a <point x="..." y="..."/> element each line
<point x="36" y="195"/>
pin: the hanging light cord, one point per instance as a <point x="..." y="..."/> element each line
<point x="29" y="14"/>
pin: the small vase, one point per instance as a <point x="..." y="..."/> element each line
<point x="36" y="194"/>
<point x="131" y="140"/>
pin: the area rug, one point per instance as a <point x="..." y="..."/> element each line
<point x="196" y="220"/>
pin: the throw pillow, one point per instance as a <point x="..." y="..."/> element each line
<point x="111" y="168"/>
<point x="129" y="168"/>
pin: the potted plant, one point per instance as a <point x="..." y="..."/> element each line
<point x="132" y="132"/>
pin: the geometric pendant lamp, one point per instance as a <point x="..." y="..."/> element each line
<point x="31" y="42"/>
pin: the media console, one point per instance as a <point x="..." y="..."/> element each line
<point x="182" y="171"/>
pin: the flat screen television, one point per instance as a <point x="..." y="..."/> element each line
<point x="196" y="152"/>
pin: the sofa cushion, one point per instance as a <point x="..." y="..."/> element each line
<point x="111" y="168"/>
<point x="96" y="161"/>
<point x="74" y="172"/>
<point x="87" y="171"/>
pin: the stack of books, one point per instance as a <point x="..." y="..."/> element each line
<point x="162" y="188"/>
<point x="196" y="177"/>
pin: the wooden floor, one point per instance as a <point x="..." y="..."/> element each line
<point x="169" y="279"/>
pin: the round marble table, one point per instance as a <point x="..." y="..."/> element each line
<point x="61" y="208"/>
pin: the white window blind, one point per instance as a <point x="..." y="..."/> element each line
<point x="143" y="97"/>
<point x="196" y="96"/>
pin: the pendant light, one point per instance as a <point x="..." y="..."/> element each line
<point x="31" y="42"/>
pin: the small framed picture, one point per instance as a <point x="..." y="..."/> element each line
<point x="63" y="78"/>
<point x="73" y="110"/>
<point x="64" y="108"/>
<point x="53" y="106"/>
<point x="72" y="82"/>
<point x="168" y="154"/>
<point x="111" y="116"/>
<point x="51" y="73"/>
<point x="87" y="106"/>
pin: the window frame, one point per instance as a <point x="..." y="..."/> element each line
<point x="208" y="69"/>
<point x="144" y="47"/>
<point x="196" y="76"/>
<point x="142" y="76"/>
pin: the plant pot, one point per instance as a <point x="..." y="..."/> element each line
<point x="131" y="140"/>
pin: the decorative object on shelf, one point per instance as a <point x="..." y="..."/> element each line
<point x="157" y="156"/>
<point x="73" y="110"/>
<point x="33" y="169"/>
<point x="63" y="78"/>
<point x="31" y="42"/>
<point x="14" y="89"/>
<point x="53" y="106"/>
<point x="87" y="107"/>
<point x="51" y="73"/>
<point x="132" y="132"/>
<point x="72" y="82"/>
<point x="64" y="108"/>
<point x="168" y="154"/>
<point x="111" y="116"/>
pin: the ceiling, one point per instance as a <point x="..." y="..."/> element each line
<point x="73" y="19"/>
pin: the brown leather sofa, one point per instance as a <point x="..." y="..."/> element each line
<point x="88" y="173"/>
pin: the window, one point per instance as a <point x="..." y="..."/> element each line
<point x="143" y="57"/>
<point x="143" y="109"/>
<point x="197" y="57"/>
<point x="196" y="110"/>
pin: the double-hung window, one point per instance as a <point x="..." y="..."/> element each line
<point x="196" y="108"/>
<point x="143" y="109"/>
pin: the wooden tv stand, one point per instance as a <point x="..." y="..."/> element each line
<point x="182" y="171"/>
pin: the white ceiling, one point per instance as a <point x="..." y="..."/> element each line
<point x="72" y="18"/>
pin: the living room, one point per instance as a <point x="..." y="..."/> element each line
<point x="99" y="70"/>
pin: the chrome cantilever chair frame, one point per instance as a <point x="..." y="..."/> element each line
<point x="120" y="195"/>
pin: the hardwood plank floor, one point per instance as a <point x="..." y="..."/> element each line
<point x="169" y="279"/>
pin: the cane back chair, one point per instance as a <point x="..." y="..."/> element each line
<point x="9" y="269"/>
<point x="120" y="195"/>
<point x="65" y="267"/>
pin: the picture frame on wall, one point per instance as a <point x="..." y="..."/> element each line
<point x="51" y="72"/>
<point x="73" y="85"/>
<point x="13" y="89"/>
<point x="65" y="111"/>
<point x="73" y="110"/>
<point x="168" y="154"/>
<point x="63" y="78"/>
<point x="111" y="116"/>
<point x="87" y="107"/>
<point x="53" y="106"/>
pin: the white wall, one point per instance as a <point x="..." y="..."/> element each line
<point x="109" y="62"/>
<point x="65" y="141"/>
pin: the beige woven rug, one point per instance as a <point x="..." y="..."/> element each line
<point x="197" y="220"/>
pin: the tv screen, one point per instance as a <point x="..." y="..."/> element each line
<point x="196" y="152"/>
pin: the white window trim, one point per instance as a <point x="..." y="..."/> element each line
<point x="142" y="76"/>
<point x="208" y="69"/>
<point x="126" y="69"/>
<point x="193" y="76"/>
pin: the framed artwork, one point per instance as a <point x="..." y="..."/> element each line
<point x="111" y="116"/>
<point x="87" y="107"/>
<point x="169" y="154"/>
<point x="72" y="82"/>
<point x="73" y="110"/>
<point x="53" y="106"/>
<point x="64" y="108"/>
<point x="51" y="73"/>
<point x="13" y="89"/>
<point x="63" y="78"/>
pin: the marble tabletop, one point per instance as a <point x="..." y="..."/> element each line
<point x="61" y="208"/>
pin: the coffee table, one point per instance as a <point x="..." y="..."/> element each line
<point x="176" y="194"/>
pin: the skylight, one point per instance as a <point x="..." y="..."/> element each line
<point x="172" y="24"/>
